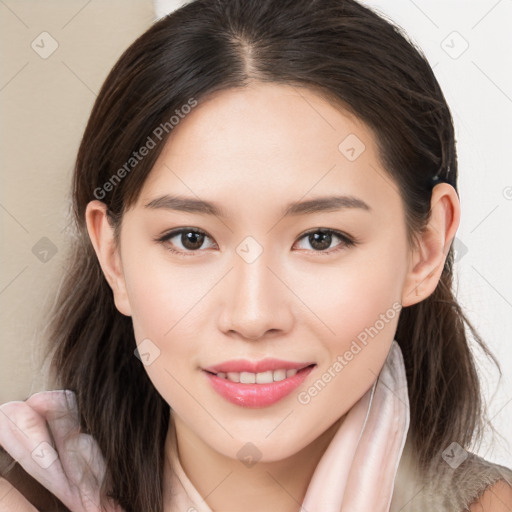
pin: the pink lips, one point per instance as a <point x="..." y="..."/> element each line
<point x="256" y="395"/>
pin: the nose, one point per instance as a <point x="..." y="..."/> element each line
<point x="257" y="303"/>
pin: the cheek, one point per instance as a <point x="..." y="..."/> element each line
<point x="357" y="304"/>
<point x="168" y="304"/>
<point x="164" y="297"/>
<point x="165" y="324"/>
<point x="359" y="313"/>
<point x="355" y="294"/>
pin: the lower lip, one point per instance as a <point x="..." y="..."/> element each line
<point x="257" y="395"/>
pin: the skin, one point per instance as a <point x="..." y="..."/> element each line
<point x="253" y="151"/>
<point x="11" y="499"/>
<point x="497" y="498"/>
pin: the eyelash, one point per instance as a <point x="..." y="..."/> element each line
<point x="346" y="240"/>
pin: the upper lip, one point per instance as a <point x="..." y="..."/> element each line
<point x="264" y="365"/>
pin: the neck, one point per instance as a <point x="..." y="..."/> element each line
<point x="226" y="484"/>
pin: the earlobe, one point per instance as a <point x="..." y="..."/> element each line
<point x="428" y="257"/>
<point x="101" y="234"/>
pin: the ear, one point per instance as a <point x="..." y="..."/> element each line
<point x="101" y="233"/>
<point x="428" y="257"/>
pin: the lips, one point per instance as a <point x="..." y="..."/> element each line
<point x="257" y="383"/>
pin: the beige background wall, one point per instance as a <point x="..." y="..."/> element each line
<point x="45" y="103"/>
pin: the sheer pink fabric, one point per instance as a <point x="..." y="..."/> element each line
<point x="356" y="472"/>
<point x="42" y="434"/>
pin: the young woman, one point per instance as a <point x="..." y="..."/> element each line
<point x="258" y="310"/>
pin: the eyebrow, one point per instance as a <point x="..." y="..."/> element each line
<point x="316" y="205"/>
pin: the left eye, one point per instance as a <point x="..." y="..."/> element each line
<point x="322" y="239"/>
<point x="191" y="240"/>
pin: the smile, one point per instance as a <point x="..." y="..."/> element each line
<point x="256" y="390"/>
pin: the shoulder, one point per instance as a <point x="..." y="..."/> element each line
<point x="11" y="499"/>
<point x="459" y="481"/>
<point x="476" y="484"/>
<point x="496" y="498"/>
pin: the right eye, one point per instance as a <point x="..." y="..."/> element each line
<point x="191" y="240"/>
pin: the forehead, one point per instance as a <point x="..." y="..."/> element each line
<point x="273" y="142"/>
<point x="284" y="120"/>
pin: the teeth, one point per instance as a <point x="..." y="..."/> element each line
<point x="247" y="378"/>
<point x="279" y="375"/>
<point x="257" y="378"/>
<point x="264" y="377"/>
<point x="235" y="377"/>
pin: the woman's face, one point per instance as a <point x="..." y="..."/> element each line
<point x="263" y="283"/>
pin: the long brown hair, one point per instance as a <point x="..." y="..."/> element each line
<point x="348" y="54"/>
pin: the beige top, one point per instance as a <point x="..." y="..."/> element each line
<point x="454" y="487"/>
